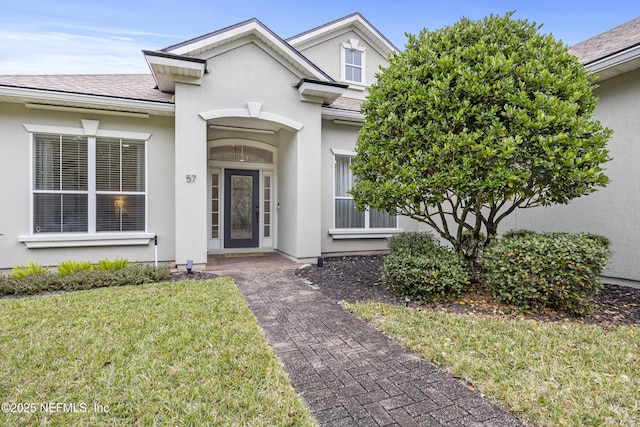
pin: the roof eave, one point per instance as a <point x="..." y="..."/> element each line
<point x="616" y="64"/>
<point x="168" y="68"/>
<point x="327" y="92"/>
<point x="384" y="46"/>
<point x="355" y="117"/>
<point x="97" y="103"/>
<point x="253" y="27"/>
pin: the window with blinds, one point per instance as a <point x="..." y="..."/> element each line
<point x="60" y="194"/>
<point x="346" y="214"/>
<point x="72" y="195"/>
<point x="120" y="197"/>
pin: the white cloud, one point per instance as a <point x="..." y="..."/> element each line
<point x="63" y="53"/>
<point x="111" y="30"/>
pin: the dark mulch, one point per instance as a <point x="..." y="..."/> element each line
<point x="357" y="278"/>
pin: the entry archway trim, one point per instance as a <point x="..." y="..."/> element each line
<point x="252" y="111"/>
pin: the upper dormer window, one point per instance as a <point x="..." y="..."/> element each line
<point x="353" y="65"/>
<point x="353" y="61"/>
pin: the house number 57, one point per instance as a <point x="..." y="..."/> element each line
<point x="191" y="179"/>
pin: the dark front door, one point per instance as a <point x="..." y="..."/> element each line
<point x="241" y="208"/>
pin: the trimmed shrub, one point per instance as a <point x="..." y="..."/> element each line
<point x="86" y="279"/>
<point x="602" y="240"/>
<point x="419" y="268"/>
<point x="133" y="275"/>
<point x="5" y="285"/>
<point x="533" y="271"/>
<point x="433" y="276"/>
<point x="519" y="233"/>
<point x="414" y="241"/>
<point x="31" y="284"/>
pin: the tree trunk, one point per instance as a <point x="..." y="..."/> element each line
<point x="471" y="248"/>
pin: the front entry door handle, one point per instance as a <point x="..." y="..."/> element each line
<point x="258" y="214"/>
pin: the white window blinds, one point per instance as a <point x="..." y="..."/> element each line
<point x="70" y="195"/>
<point x="120" y="178"/>
<point x="60" y="194"/>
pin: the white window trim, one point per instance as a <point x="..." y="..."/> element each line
<point x="356" y="233"/>
<point x="341" y="152"/>
<point x="267" y="242"/>
<point x="215" y="171"/>
<point x="89" y="129"/>
<point x="266" y="169"/>
<point x="353" y="44"/>
<point x="51" y="240"/>
<point x="359" y="233"/>
<point x="92" y="238"/>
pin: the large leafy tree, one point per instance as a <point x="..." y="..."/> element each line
<point x="475" y="120"/>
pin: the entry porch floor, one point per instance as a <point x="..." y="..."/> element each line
<point x="253" y="261"/>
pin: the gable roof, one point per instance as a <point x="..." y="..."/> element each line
<point x="613" y="52"/>
<point x="186" y="62"/>
<point x="182" y="56"/>
<point x="355" y="20"/>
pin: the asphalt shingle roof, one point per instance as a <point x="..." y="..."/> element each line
<point x="346" y="104"/>
<point x="126" y="86"/>
<point x="608" y="43"/>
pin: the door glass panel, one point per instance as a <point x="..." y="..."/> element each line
<point x="215" y="209"/>
<point x="241" y="207"/>
<point x="267" y="207"/>
<point x="240" y="153"/>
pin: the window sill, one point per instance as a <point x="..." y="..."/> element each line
<point x="84" y="240"/>
<point x="363" y="233"/>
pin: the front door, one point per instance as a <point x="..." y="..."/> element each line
<point x="241" y="208"/>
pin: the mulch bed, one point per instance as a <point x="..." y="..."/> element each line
<point x="357" y="278"/>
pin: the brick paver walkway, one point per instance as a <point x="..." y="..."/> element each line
<point x="349" y="373"/>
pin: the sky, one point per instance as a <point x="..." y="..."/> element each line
<point x="107" y="37"/>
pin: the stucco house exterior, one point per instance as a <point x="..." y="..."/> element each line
<point x="238" y="140"/>
<point x="613" y="211"/>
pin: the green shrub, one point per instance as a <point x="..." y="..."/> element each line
<point x="91" y="279"/>
<point x="7" y="285"/>
<point x="20" y="272"/>
<point x="419" y="268"/>
<point x="68" y="267"/>
<point x="112" y="265"/>
<point x="414" y="241"/>
<point x="28" y="285"/>
<point x="136" y="274"/>
<point x="438" y="274"/>
<point x="602" y="240"/>
<point x="519" y="232"/>
<point x="132" y="275"/>
<point x="533" y="272"/>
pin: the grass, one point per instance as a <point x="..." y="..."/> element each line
<point x="549" y="374"/>
<point x="183" y="353"/>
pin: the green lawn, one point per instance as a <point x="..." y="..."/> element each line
<point x="185" y="353"/>
<point x="551" y="374"/>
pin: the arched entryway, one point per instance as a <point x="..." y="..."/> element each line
<point x="246" y="147"/>
<point x="242" y="196"/>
